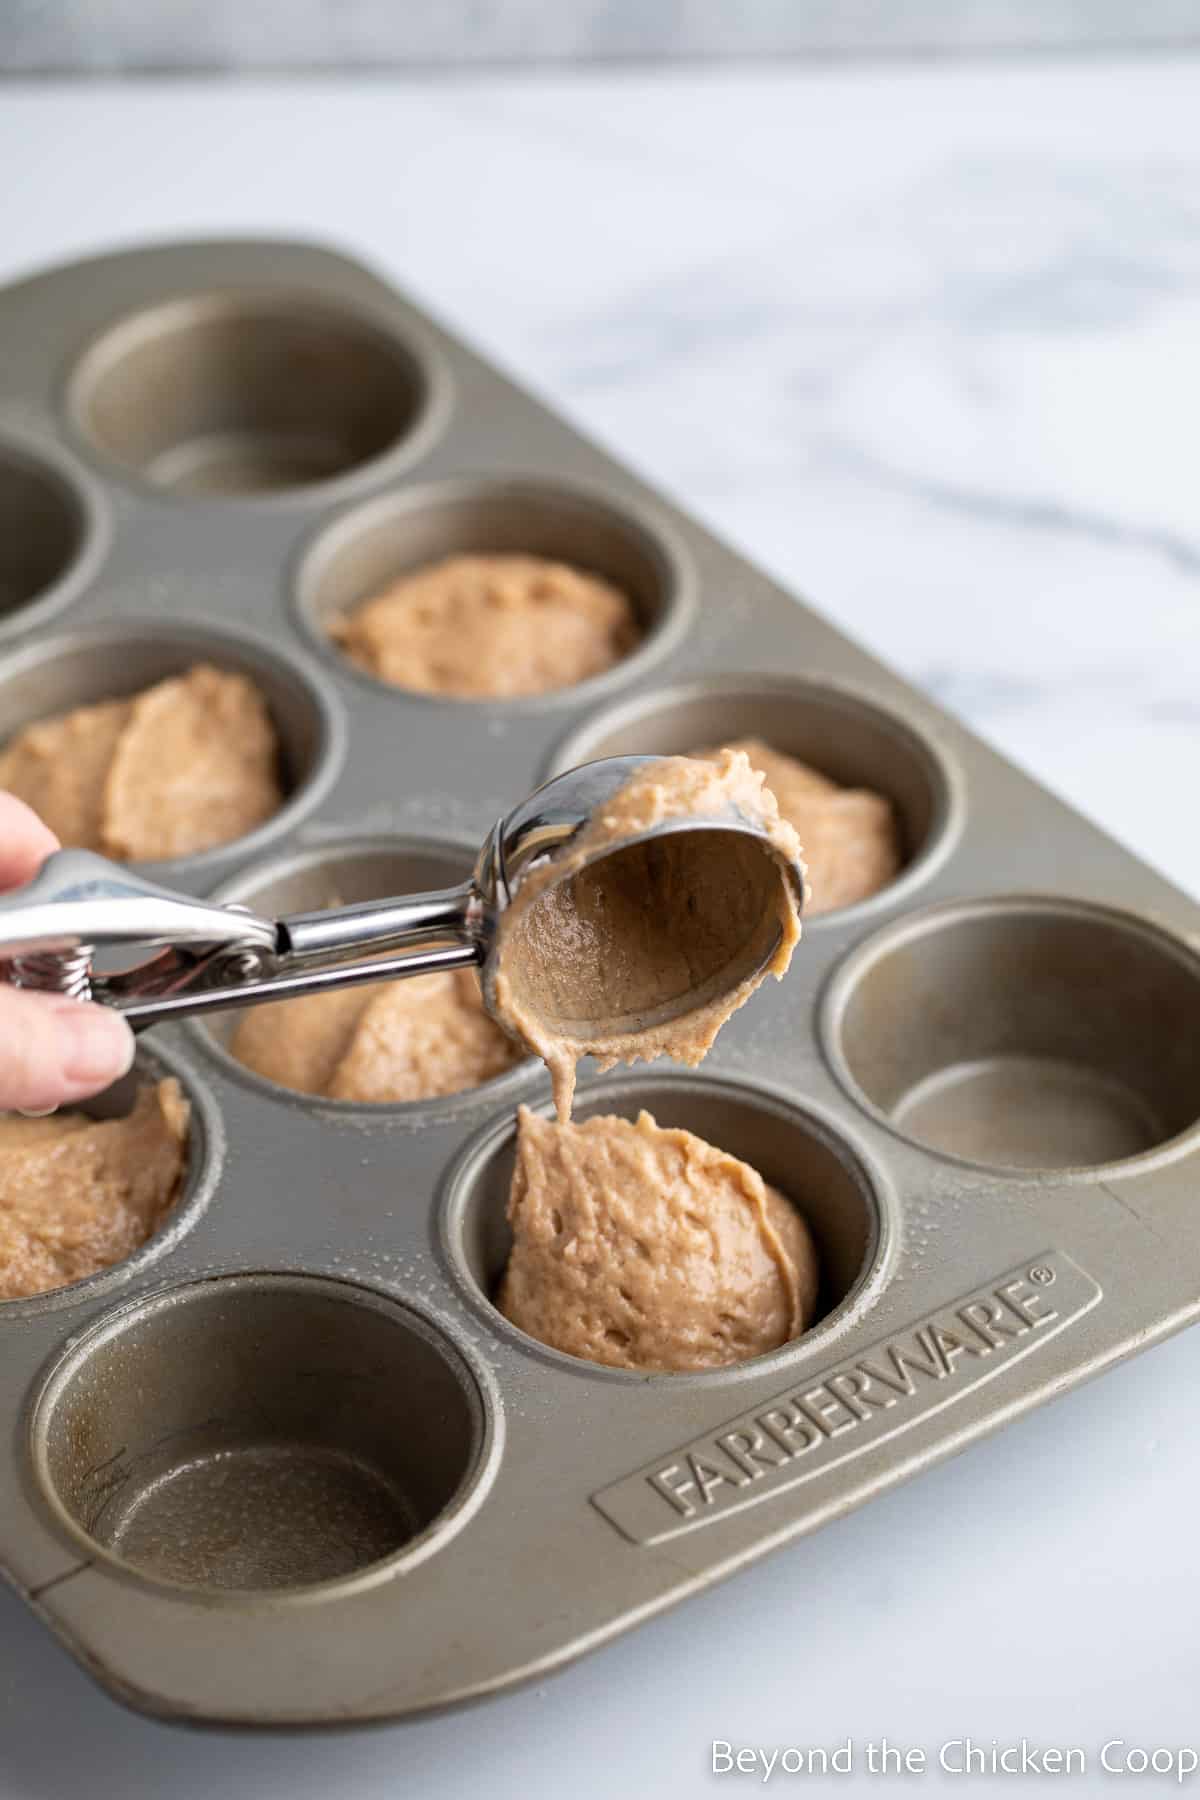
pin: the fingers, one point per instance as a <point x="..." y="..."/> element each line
<point x="25" y="842"/>
<point x="54" y="1050"/>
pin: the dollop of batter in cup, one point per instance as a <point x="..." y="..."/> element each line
<point x="401" y="1040"/>
<point x="851" y="836"/>
<point x="79" y="1194"/>
<point x="646" y="1248"/>
<point x="488" y="627"/>
<point x="188" y="764"/>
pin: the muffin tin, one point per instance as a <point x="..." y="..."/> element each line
<point x="287" y="1465"/>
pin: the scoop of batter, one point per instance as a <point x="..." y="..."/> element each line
<point x="79" y="1194"/>
<point x="851" y="836"/>
<point x="401" y="1040"/>
<point x="480" y="626"/>
<point x="187" y="764"/>
<point x="647" y="1248"/>
<point x="632" y="953"/>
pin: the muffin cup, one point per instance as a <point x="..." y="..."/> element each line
<point x="242" y="395"/>
<point x="259" y="1432"/>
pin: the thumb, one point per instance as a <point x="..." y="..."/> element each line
<point x="54" y="1050"/>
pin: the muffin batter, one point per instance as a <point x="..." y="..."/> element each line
<point x="851" y="836"/>
<point x="646" y="1248"/>
<point x="634" y="953"/>
<point x="79" y="1194"/>
<point x="477" y="627"/>
<point x="187" y="764"/>
<point x="401" y="1040"/>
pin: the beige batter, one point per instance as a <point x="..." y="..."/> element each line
<point x="631" y="954"/>
<point x="401" y="1040"/>
<point x="648" y="1249"/>
<point x="851" y="836"/>
<point x="79" y="1194"/>
<point x="490" y="626"/>
<point x="189" y="763"/>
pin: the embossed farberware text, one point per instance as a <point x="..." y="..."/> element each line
<point x="869" y="1397"/>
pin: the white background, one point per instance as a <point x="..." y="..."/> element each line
<point x="927" y="344"/>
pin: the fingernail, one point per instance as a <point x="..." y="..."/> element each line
<point x="96" y="1044"/>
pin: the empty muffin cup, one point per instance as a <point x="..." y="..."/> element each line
<point x="1022" y="1033"/>
<point x="363" y="553"/>
<point x="248" y="394"/>
<point x="259" y="1431"/>
<point x="834" y="730"/>
<point x="44" y="528"/>
<point x="347" y="872"/>
<point x="793" y="1150"/>
<point x="118" y="660"/>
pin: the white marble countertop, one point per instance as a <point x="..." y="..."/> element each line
<point x="927" y="344"/>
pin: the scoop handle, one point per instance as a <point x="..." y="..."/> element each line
<point x="425" y="934"/>
<point x="142" y="1011"/>
<point x="449" y="914"/>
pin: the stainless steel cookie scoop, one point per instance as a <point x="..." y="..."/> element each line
<point x="66" y="929"/>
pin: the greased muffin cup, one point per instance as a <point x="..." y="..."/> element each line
<point x="288" y="1464"/>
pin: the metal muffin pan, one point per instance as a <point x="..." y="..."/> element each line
<point x="288" y="1465"/>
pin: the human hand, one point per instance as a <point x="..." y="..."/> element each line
<point x="53" y="1050"/>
